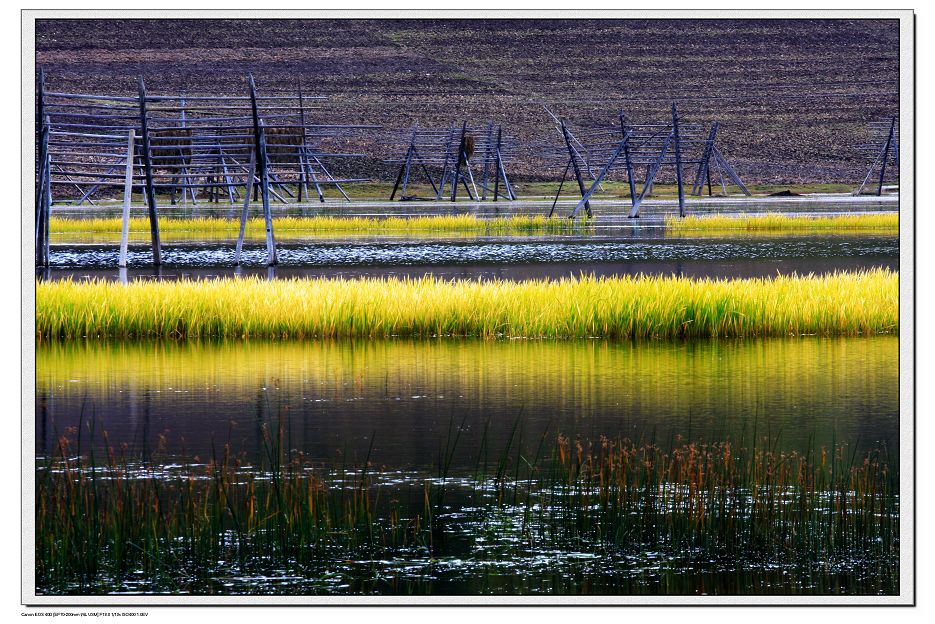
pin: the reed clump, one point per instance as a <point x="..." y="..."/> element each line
<point x="777" y="222"/>
<point x="319" y="225"/>
<point x="864" y="302"/>
<point x="103" y="524"/>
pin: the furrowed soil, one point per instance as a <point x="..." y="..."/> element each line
<point x="793" y="97"/>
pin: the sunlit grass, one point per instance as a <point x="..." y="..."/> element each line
<point x="173" y="228"/>
<point x="781" y="222"/>
<point x="864" y="302"/>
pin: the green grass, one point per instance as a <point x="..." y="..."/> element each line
<point x="773" y="222"/>
<point x="865" y="302"/>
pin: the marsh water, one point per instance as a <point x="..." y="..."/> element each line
<point x="402" y="408"/>
<point x="648" y="251"/>
<point x="397" y="405"/>
<point x="404" y="395"/>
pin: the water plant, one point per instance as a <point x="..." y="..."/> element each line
<point x="864" y="302"/>
<point x="115" y="523"/>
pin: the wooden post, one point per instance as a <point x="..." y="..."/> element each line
<point x="425" y="169"/>
<point x="574" y="163"/>
<point x="408" y="166"/>
<point x="48" y="197"/>
<point x="311" y="174"/>
<point x="560" y="185"/>
<point x="705" y="164"/>
<point x="886" y="155"/>
<point x="127" y="198"/>
<point x="678" y="160"/>
<point x="600" y="177"/>
<point x="43" y="178"/>
<point x="444" y="178"/>
<point x="626" y="156"/>
<point x="148" y="171"/>
<point x="40" y="119"/>
<point x="457" y="175"/>
<point x="650" y="176"/>
<point x="43" y="175"/>
<point x="259" y="135"/>
<point x="496" y="177"/>
<point x="718" y="156"/>
<point x="251" y="176"/>
<point x="487" y="157"/>
<point x="402" y="171"/>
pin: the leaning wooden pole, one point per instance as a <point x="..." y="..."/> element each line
<point x="259" y="138"/>
<point x="886" y="155"/>
<point x="678" y="160"/>
<point x="148" y="174"/>
<point x="577" y="169"/>
<point x="704" y="166"/>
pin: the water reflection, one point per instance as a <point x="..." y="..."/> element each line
<point x="335" y="397"/>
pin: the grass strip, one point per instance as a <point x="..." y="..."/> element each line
<point x="859" y="303"/>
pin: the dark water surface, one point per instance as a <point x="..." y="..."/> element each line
<point x="405" y="396"/>
<point x="411" y="406"/>
<point x="640" y="250"/>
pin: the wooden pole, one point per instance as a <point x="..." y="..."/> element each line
<point x="444" y="178"/>
<point x="48" y="200"/>
<point x="487" y="157"/>
<point x="263" y="167"/>
<point x="42" y="181"/>
<point x="650" y="176"/>
<point x="127" y="198"/>
<point x="496" y="178"/>
<point x="886" y="153"/>
<point x="678" y="160"/>
<point x="43" y="175"/>
<point x="626" y="156"/>
<point x="408" y="165"/>
<point x="251" y="173"/>
<point x="457" y="175"/>
<point x="705" y="164"/>
<point x="402" y="170"/>
<point x="560" y="185"/>
<point x="148" y="171"/>
<point x="600" y="176"/>
<point x="574" y="163"/>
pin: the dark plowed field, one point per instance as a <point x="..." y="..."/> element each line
<point x="793" y="96"/>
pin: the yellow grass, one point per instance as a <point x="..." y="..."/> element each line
<point x="780" y="222"/>
<point x="286" y="227"/>
<point x="658" y="307"/>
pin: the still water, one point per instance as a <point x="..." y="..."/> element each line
<point x="407" y="407"/>
<point x="637" y="250"/>
<point x="404" y="397"/>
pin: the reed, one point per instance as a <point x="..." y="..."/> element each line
<point x="103" y="524"/>
<point x="776" y="222"/>
<point x="321" y="225"/>
<point x="858" y="303"/>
